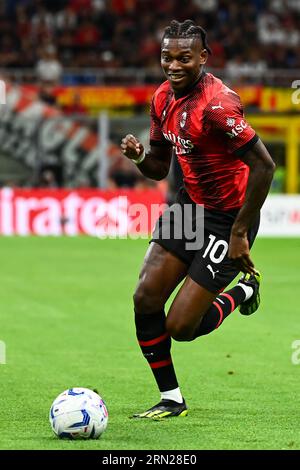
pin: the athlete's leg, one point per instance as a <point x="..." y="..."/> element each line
<point x="160" y="274"/>
<point x="196" y="311"/>
<point x="187" y="310"/>
<point x="198" y="307"/>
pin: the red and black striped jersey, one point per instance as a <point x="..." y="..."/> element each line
<point x="209" y="133"/>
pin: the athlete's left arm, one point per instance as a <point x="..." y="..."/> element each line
<point x="261" y="172"/>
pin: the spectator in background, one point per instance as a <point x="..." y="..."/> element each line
<point x="9" y="55"/>
<point x="49" y="69"/>
<point x="206" y="6"/>
<point x="87" y="35"/>
<point x="122" y="7"/>
<point x="48" y="178"/>
<point x="76" y="107"/>
<point x="252" y="66"/>
<point x="66" y="19"/>
<point x="46" y="94"/>
<point x="81" y="30"/>
<point x="42" y="17"/>
<point x="123" y="175"/>
<point x="80" y="5"/>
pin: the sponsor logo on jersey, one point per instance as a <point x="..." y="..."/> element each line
<point x="230" y="122"/>
<point x="182" y="146"/>
<point x="238" y="129"/>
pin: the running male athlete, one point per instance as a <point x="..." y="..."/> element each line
<point x="226" y="169"/>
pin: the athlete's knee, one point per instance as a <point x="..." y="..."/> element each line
<point x="179" y="330"/>
<point x="146" y="300"/>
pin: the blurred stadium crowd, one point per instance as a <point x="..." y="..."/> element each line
<point x="44" y="43"/>
<point x="50" y="36"/>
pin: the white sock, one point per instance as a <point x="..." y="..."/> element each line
<point x="174" y="395"/>
<point x="247" y="289"/>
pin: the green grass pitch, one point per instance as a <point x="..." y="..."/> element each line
<point x="66" y="320"/>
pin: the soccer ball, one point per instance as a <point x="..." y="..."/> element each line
<point x="78" y="413"/>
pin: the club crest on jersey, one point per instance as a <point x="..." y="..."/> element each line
<point x="182" y="146"/>
<point x="183" y="119"/>
<point x="238" y="129"/>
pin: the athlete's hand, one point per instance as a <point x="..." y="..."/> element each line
<point x="239" y="252"/>
<point x="131" y="147"/>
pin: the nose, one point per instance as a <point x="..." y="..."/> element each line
<point x="174" y="65"/>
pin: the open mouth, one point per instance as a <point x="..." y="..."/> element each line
<point x="175" y="77"/>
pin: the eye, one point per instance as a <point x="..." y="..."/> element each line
<point x="165" y="58"/>
<point x="185" y="60"/>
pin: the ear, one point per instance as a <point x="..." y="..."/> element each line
<point x="203" y="56"/>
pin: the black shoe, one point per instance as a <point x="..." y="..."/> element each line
<point x="251" y="305"/>
<point x="164" y="409"/>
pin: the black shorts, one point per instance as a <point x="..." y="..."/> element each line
<point x="208" y="265"/>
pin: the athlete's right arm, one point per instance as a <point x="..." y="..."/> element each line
<point x="156" y="163"/>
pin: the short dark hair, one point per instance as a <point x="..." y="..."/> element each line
<point x="188" y="29"/>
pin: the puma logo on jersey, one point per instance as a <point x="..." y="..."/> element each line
<point x="212" y="271"/>
<point x="218" y="107"/>
<point x="183" y="119"/>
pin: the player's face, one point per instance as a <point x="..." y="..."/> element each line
<point x="182" y="61"/>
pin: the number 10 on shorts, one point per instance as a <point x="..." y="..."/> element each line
<point x="213" y="247"/>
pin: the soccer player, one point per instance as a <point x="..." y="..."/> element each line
<point x="228" y="171"/>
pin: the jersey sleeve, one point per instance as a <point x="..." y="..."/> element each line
<point x="156" y="134"/>
<point x="225" y="114"/>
